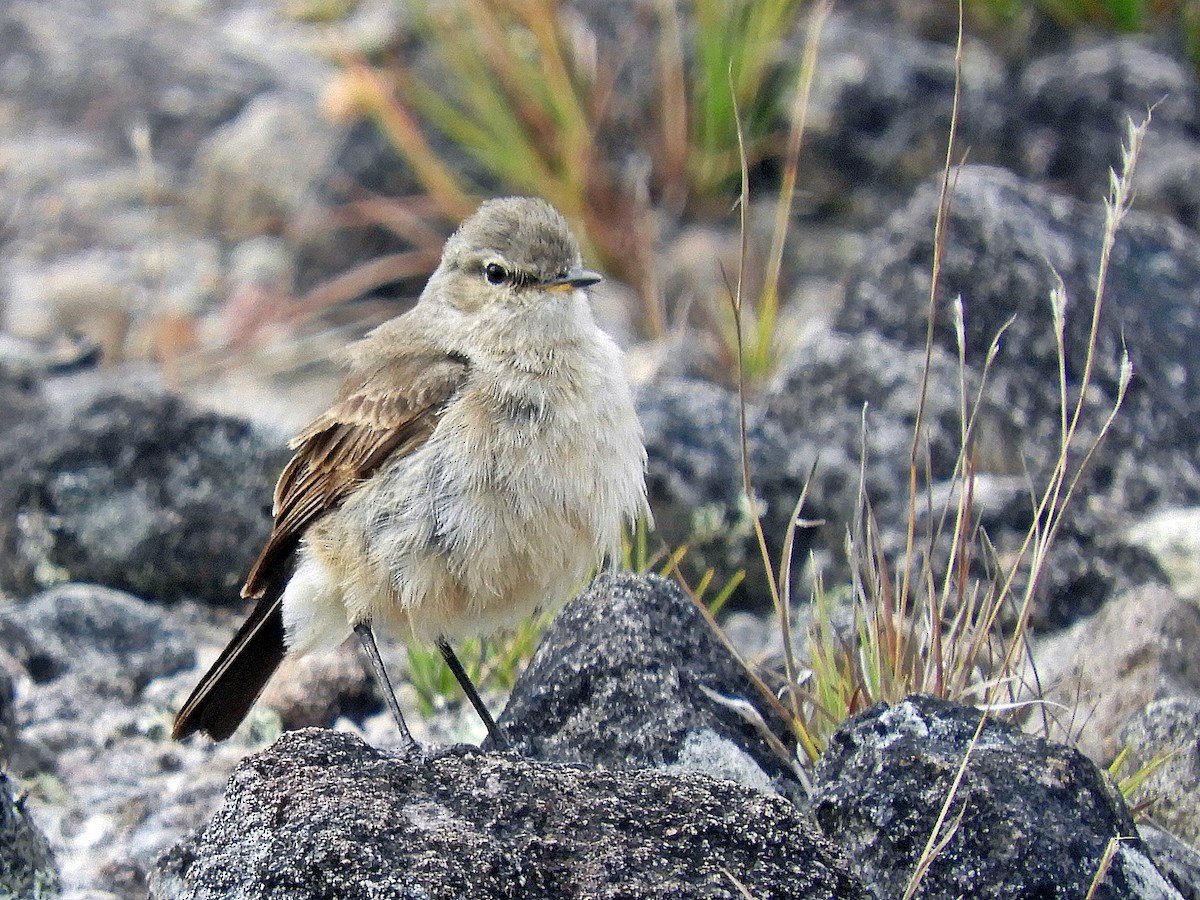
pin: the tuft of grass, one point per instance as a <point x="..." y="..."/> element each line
<point x="1130" y="781"/>
<point x="533" y="106"/>
<point x="526" y="104"/>
<point x="738" y="47"/>
<point x="919" y="627"/>
<point x="753" y="343"/>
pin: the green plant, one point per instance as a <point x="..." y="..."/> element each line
<point x="916" y="630"/>
<point x="738" y="47"/>
<point x="493" y="663"/>
<point x="1178" y="18"/>
<point x="525" y="108"/>
<point x="750" y="333"/>
<point x="1130" y="780"/>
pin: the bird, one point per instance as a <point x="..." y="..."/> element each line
<point x="481" y="458"/>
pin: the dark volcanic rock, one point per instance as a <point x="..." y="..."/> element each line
<point x="1075" y="107"/>
<point x="1033" y="817"/>
<point x="620" y="680"/>
<point x="322" y="815"/>
<point x="852" y="401"/>
<point x="695" y="483"/>
<point x="26" y="864"/>
<point x="139" y="493"/>
<point x="880" y="109"/>
<point x="1006" y="239"/>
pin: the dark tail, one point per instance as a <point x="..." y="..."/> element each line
<point x="228" y="690"/>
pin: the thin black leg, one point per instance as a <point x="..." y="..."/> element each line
<point x="367" y="638"/>
<point x="464" y="681"/>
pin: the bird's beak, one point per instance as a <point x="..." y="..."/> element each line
<point x="576" y="278"/>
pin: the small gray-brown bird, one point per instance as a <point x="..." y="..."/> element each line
<point x="481" y="459"/>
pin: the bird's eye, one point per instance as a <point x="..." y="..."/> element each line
<point x="495" y="273"/>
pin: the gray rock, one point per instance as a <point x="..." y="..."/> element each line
<point x="117" y="65"/>
<point x="1097" y="673"/>
<point x="321" y="814"/>
<point x="1162" y="737"/>
<point x="823" y="392"/>
<point x="99" y="674"/>
<point x="695" y="484"/>
<point x="20" y="397"/>
<point x="141" y="493"/>
<point x="1036" y="817"/>
<point x="1074" y="108"/>
<point x="1168" y="175"/>
<point x="879" y="111"/>
<point x="8" y="725"/>
<point x="1172" y="537"/>
<point x="261" y="167"/>
<point x="1175" y="859"/>
<point x="115" y="643"/>
<point x="1006" y="239"/>
<point x="27" y="867"/>
<point x="621" y="680"/>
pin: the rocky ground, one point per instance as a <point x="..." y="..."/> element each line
<point x="175" y="204"/>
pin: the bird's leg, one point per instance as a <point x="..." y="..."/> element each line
<point x="367" y="638"/>
<point x="464" y="681"/>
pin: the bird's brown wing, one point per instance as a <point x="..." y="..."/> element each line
<point x="389" y="413"/>
<point x="393" y="410"/>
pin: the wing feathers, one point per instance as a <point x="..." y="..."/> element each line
<point x="390" y="411"/>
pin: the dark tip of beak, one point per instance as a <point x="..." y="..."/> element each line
<point x="576" y="278"/>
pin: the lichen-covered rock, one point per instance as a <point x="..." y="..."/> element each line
<point x="1029" y="819"/>
<point x="625" y="678"/>
<point x="141" y="493"/>
<point x="322" y="815"/>
<point x="27" y="867"/>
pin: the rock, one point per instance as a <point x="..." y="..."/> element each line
<point x="21" y="397"/>
<point x="108" y="642"/>
<point x="81" y="62"/>
<point x="1171" y="536"/>
<point x="822" y="393"/>
<point x="1030" y="818"/>
<point x="257" y="172"/>
<point x="695" y="484"/>
<point x="99" y="674"/>
<point x="1162" y="739"/>
<point x="1075" y="107"/>
<point x="313" y="690"/>
<point x="621" y="680"/>
<point x="880" y="107"/>
<point x="1005" y="240"/>
<point x="323" y="814"/>
<point x="141" y="493"/>
<point x="1175" y="859"/>
<point x="28" y="868"/>
<point x="1102" y="670"/>
<point x="1168" y="175"/>
<point x="8" y="724"/>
